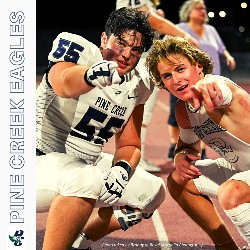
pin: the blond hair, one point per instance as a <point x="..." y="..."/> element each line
<point x="175" y="46"/>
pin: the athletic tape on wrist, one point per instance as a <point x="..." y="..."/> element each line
<point x="125" y="165"/>
<point x="226" y="94"/>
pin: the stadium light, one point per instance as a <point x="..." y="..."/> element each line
<point x="210" y="14"/>
<point x="243" y="5"/>
<point x="222" y="13"/>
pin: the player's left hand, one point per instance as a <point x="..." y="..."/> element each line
<point x="115" y="181"/>
<point x="184" y="165"/>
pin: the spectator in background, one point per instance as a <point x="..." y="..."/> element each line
<point x="194" y="21"/>
<point x="163" y="26"/>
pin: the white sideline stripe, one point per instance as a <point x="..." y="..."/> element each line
<point x="159" y="228"/>
<point x="163" y="106"/>
<point x="160" y="231"/>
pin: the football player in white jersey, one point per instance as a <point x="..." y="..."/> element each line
<point x="215" y="110"/>
<point x="87" y="95"/>
<point x="162" y="26"/>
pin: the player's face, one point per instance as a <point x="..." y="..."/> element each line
<point x="125" y="51"/>
<point x="178" y="75"/>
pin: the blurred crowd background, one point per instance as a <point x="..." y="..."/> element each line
<point x="87" y="18"/>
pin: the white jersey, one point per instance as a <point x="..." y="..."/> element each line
<point x="231" y="148"/>
<point x="81" y="126"/>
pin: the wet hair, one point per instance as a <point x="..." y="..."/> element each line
<point x="186" y="8"/>
<point x="127" y="19"/>
<point x="175" y="46"/>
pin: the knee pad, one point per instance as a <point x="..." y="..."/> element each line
<point x="128" y="216"/>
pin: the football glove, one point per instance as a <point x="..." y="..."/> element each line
<point x="102" y="74"/>
<point x="115" y="181"/>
